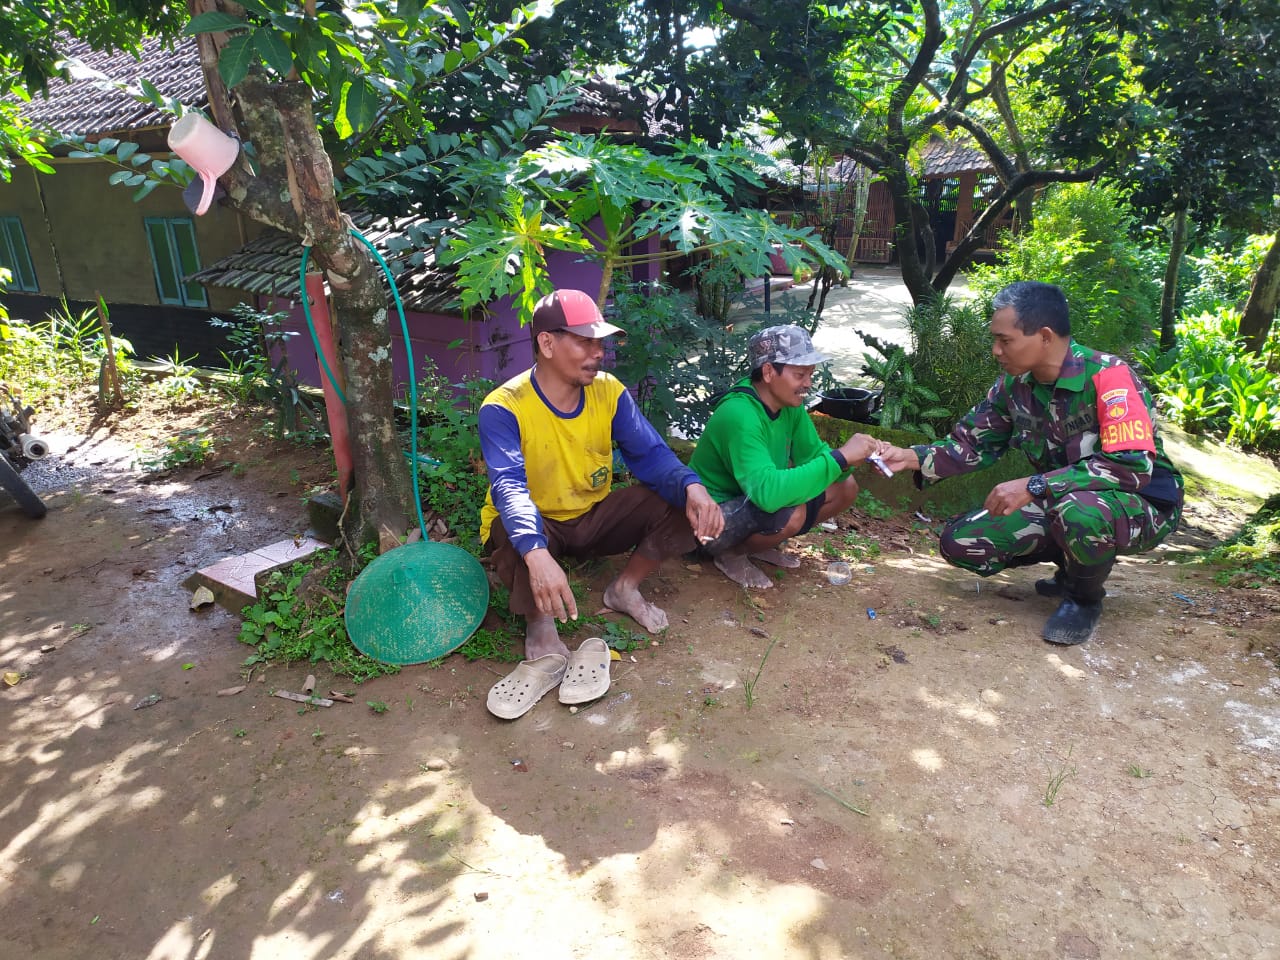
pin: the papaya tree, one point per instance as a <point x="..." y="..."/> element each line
<point x="622" y="205"/>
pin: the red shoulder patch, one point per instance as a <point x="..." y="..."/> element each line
<point x="1124" y="423"/>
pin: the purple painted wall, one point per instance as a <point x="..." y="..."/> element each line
<point x="496" y="347"/>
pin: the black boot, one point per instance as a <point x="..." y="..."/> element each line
<point x="1078" y="614"/>
<point x="1052" y="587"/>
<point x="1051" y="554"/>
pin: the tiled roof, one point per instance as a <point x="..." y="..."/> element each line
<point x="947" y="158"/>
<point x="88" y="104"/>
<point x="269" y="266"/>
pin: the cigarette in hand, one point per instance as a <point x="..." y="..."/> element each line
<point x="706" y="539"/>
<point x="979" y="515"/>
<point x="879" y="464"/>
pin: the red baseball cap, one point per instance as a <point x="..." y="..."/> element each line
<point x="572" y="311"/>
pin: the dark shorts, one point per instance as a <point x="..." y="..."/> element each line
<point x="628" y="518"/>
<point x="743" y="519"/>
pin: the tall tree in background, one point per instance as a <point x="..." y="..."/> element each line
<point x="1212" y="70"/>
<point x="873" y="81"/>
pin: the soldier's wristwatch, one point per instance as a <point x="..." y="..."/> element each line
<point x="1037" y="485"/>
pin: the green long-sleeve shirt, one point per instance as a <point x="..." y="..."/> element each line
<point x="776" y="459"/>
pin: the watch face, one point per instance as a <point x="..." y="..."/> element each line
<point x="1037" y="486"/>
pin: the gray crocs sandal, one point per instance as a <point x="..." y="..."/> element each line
<point x="587" y="675"/>
<point x="516" y="693"/>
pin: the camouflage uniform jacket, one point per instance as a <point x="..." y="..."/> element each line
<point x="1079" y="436"/>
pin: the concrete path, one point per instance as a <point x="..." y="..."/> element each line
<point x="873" y="302"/>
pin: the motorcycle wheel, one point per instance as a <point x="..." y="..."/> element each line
<point x="12" y="481"/>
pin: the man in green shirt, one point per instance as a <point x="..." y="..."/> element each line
<point x="761" y="459"/>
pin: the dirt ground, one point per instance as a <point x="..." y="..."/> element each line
<point x="931" y="782"/>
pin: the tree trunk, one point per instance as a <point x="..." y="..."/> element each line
<point x="1169" y="296"/>
<point x="1264" y="297"/>
<point x="1022" y="204"/>
<point x="382" y="505"/>
<point x="915" y="275"/>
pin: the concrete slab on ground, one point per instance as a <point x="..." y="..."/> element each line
<point x="234" y="580"/>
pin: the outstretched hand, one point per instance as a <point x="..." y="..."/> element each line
<point x="898" y="459"/>
<point x="550" y="586"/>
<point x="862" y="445"/>
<point x="705" y="516"/>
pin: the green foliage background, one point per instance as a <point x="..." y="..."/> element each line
<point x="1082" y="241"/>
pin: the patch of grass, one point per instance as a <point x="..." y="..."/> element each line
<point x="179" y="378"/>
<point x="749" y="686"/>
<point x="301" y="618"/>
<point x="377" y="706"/>
<point x="1136" y="770"/>
<point x="1252" y="557"/>
<point x="486" y="644"/>
<point x="1056" y="779"/>
<point x="873" y="506"/>
<point x="859" y="547"/>
<point x="190" y="447"/>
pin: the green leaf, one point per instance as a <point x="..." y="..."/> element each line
<point x="119" y="177"/>
<point x="461" y="15"/>
<point x="359" y="106"/>
<point x="342" y="125"/>
<point x="274" y="50"/>
<point x="237" y="56"/>
<point x="215" y="21"/>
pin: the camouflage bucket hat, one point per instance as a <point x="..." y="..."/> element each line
<point x="783" y="344"/>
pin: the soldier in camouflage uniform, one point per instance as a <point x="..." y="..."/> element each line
<point x="1102" y="484"/>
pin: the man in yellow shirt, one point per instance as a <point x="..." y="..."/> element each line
<point x="547" y="436"/>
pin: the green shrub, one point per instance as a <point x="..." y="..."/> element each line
<point x="1081" y="242"/>
<point x="452" y="480"/>
<point x="907" y="404"/>
<point x="675" y="360"/>
<point x="951" y="354"/>
<point x="253" y="377"/>
<point x="1221" y="278"/>
<point x="59" y="354"/>
<point x="1208" y="383"/>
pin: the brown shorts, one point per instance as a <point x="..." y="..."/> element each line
<point x="633" y="517"/>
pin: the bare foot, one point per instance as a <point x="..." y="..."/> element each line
<point x="778" y="558"/>
<point x="628" y="600"/>
<point x="742" y="571"/>
<point x="541" y="638"/>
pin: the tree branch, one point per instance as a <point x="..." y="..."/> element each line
<point x="960" y="81"/>
<point x="918" y="70"/>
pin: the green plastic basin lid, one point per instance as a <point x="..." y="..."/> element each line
<point x="416" y="603"/>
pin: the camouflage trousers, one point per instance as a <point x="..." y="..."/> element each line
<point x="1089" y="526"/>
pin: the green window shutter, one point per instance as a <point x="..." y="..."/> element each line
<point x="163" y="261"/>
<point x="16" y="258"/>
<point x="184" y="240"/>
